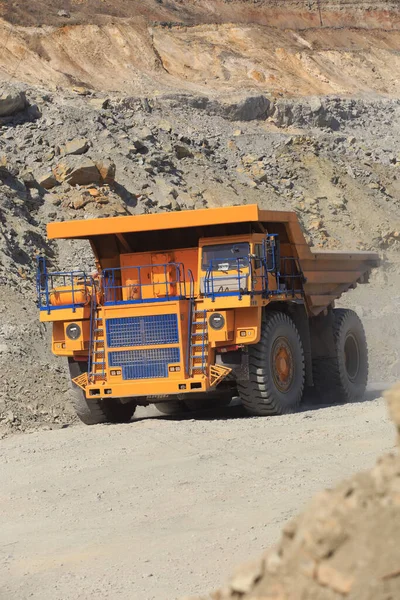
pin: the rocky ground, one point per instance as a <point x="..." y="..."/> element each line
<point x="345" y="545"/>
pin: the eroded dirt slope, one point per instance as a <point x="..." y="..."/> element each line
<point x="286" y="13"/>
<point x="296" y="48"/>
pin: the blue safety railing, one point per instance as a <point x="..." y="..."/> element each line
<point x="172" y="286"/>
<point x="227" y="284"/>
<point x="93" y="316"/>
<point x="251" y="275"/>
<point x="190" y="320"/>
<point x="61" y="289"/>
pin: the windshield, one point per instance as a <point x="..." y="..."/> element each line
<point x="226" y="257"/>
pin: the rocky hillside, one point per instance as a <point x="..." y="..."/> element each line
<point x="118" y="113"/>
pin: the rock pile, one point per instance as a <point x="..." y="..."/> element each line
<point x="344" y="546"/>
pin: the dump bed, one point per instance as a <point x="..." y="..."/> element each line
<point x="327" y="275"/>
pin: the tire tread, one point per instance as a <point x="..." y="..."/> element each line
<point x="257" y="393"/>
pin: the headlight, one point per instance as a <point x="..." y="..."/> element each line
<point x="216" y="321"/>
<point x="73" y="331"/>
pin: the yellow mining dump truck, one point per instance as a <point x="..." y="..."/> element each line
<point x="189" y="308"/>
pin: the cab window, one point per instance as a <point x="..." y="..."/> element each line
<point x="226" y="257"/>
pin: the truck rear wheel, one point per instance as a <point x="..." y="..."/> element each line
<point x="343" y="377"/>
<point x="276" y="369"/>
<point x="101" y="410"/>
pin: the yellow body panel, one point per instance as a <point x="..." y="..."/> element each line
<point x="158" y="222"/>
<point x="65" y="314"/>
<point x="146" y="387"/>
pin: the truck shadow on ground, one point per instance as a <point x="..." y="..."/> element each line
<point x="236" y="411"/>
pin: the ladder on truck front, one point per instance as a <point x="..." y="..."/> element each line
<point x="96" y="352"/>
<point x="97" y="356"/>
<point x="198" y="344"/>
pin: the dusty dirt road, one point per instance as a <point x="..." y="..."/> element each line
<point x="161" y="508"/>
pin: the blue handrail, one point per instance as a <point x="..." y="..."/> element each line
<point x="48" y="282"/>
<point x="210" y="280"/>
<point x="286" y="270"/>
<point x="93" y="306"/>
<point x="190" y="323"/>
<point x="114" y="290"/>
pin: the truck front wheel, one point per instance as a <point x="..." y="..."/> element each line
<point x="276" y="369"/>
<point x="99" y="410"/>
<point x="343" y="377"/>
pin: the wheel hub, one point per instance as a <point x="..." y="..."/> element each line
<point x="282" y="365"/>
<point x="351" y="356"/>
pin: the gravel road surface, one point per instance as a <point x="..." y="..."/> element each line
<point x="161" y="508"/>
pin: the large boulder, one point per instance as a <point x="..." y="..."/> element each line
<point x="248" y="108"/>
<point x="12" y="102"/>
<point x="76" y="170"/>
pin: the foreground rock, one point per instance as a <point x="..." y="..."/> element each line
<point x="76" y="171"/>
<point x="345" y="545"/>
<point x="77" y="146"/>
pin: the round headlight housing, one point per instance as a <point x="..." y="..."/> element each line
<point x="73" y="331"/>
<point x="216" y="321"/>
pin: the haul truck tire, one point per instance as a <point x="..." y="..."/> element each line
<point x="344" y="377"/>
<point x="93" y="412"/>
<point x="276" y="369"/>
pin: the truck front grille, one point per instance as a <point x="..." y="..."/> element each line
<point x="142" y="331"/>
<point x="144" y="364"/>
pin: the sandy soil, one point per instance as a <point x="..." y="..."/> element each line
<point x="148" y="510"/>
